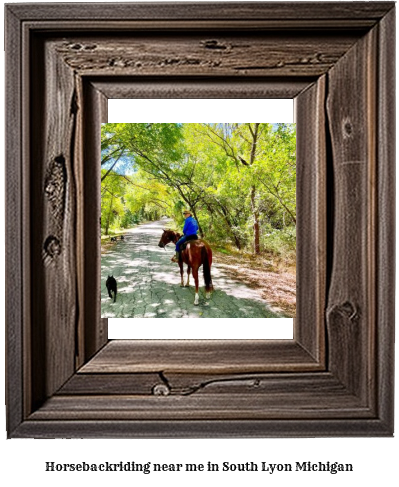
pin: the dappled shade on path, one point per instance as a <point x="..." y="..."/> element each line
<point x="149" y="283"/>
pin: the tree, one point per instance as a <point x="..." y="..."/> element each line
<point x="237" y="179"/>
<point x="241" y="143"/>
<point x="111" y="201"/>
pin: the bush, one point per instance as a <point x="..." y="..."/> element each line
<point x="129" y="219"/>
<point x="281" y="243"/>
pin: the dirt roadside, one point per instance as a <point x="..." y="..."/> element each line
<point x="277" y="286"/>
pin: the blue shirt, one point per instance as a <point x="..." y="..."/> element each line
<point x="190" y="226"/>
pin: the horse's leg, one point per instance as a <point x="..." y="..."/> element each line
<point x="181" y="273"/>
<point x="188" y="276"/>
<point x="195" y="275"/>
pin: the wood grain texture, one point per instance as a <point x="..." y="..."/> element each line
<point x="184" y="384"/>
<point x="103" y="105"/>
<point x="240" y="55"/>
<point x="103" y="101"/>
<point x="247" y="11"/>
<point x="352" y="125"/>
<point x="177" y="87"/>
<point x="111" y="384"/>
<point x="14" y="206"/>
<point x="385" y="276"/>
<point x="311" y="223"/>
<point x="203" y="407"/>
<point x="96" y="329"/>
<point x="200" y="356"/>
<point x="78" y="145"/>
<point x="53" y="239"/>
<point x="340" y="26"/>
<point x="255" y="396"/>
<point x="202" y="429"/>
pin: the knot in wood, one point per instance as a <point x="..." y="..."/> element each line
<point x="347" y="128"/>
<point x="213" y="44"/>
<point x="52" y="246"/>
<point x="90" y="47"/>
<point x="55" y="180"/>
<point x="161" y="390"/>
<point x="347" y="310"/>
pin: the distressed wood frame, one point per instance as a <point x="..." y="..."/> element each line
<point x="64" y="379"/>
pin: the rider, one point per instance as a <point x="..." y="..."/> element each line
<point x="189" y="230"/>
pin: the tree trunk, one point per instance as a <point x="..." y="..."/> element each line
<point x="255" y="215"/>
<point x="237" y="241"/>
<point x="255" y="212"/>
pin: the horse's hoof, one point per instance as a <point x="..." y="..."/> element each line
<point x="208" y="295"/>
<point x="196" y="304"/>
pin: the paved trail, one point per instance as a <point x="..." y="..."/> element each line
<point x="149" y="283"/>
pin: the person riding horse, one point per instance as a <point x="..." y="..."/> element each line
<point x="190" y="230"/>
<point x="197" y="253"/>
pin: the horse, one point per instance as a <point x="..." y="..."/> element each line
<point x="196" y="253"/>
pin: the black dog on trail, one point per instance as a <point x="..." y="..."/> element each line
<point x="111" y="286"/>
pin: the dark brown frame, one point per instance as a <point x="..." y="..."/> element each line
<point x="336" y="377"/>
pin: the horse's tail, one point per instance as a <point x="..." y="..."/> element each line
<point x="206" y="264"/>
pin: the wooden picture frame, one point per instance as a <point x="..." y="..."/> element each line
<point x="335" y="378"/>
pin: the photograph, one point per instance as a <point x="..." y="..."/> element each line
<point x="198" y="220"/>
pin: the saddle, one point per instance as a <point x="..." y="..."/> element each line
<point x="189" y="238"/>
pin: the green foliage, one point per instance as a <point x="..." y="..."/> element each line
<point x="239" y="180"/>
<point x="129" y="219"/>
<point x="279" y="242"/>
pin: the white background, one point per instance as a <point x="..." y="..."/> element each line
<point x="22" y="461"/>
<point x="200" y="111"/>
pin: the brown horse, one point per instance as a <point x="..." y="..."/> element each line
<point x="196" y="253"/>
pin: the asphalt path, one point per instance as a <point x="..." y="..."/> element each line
<point x="149" y="283"/>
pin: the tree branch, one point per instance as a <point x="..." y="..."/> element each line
<point x="113" y="165"/>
